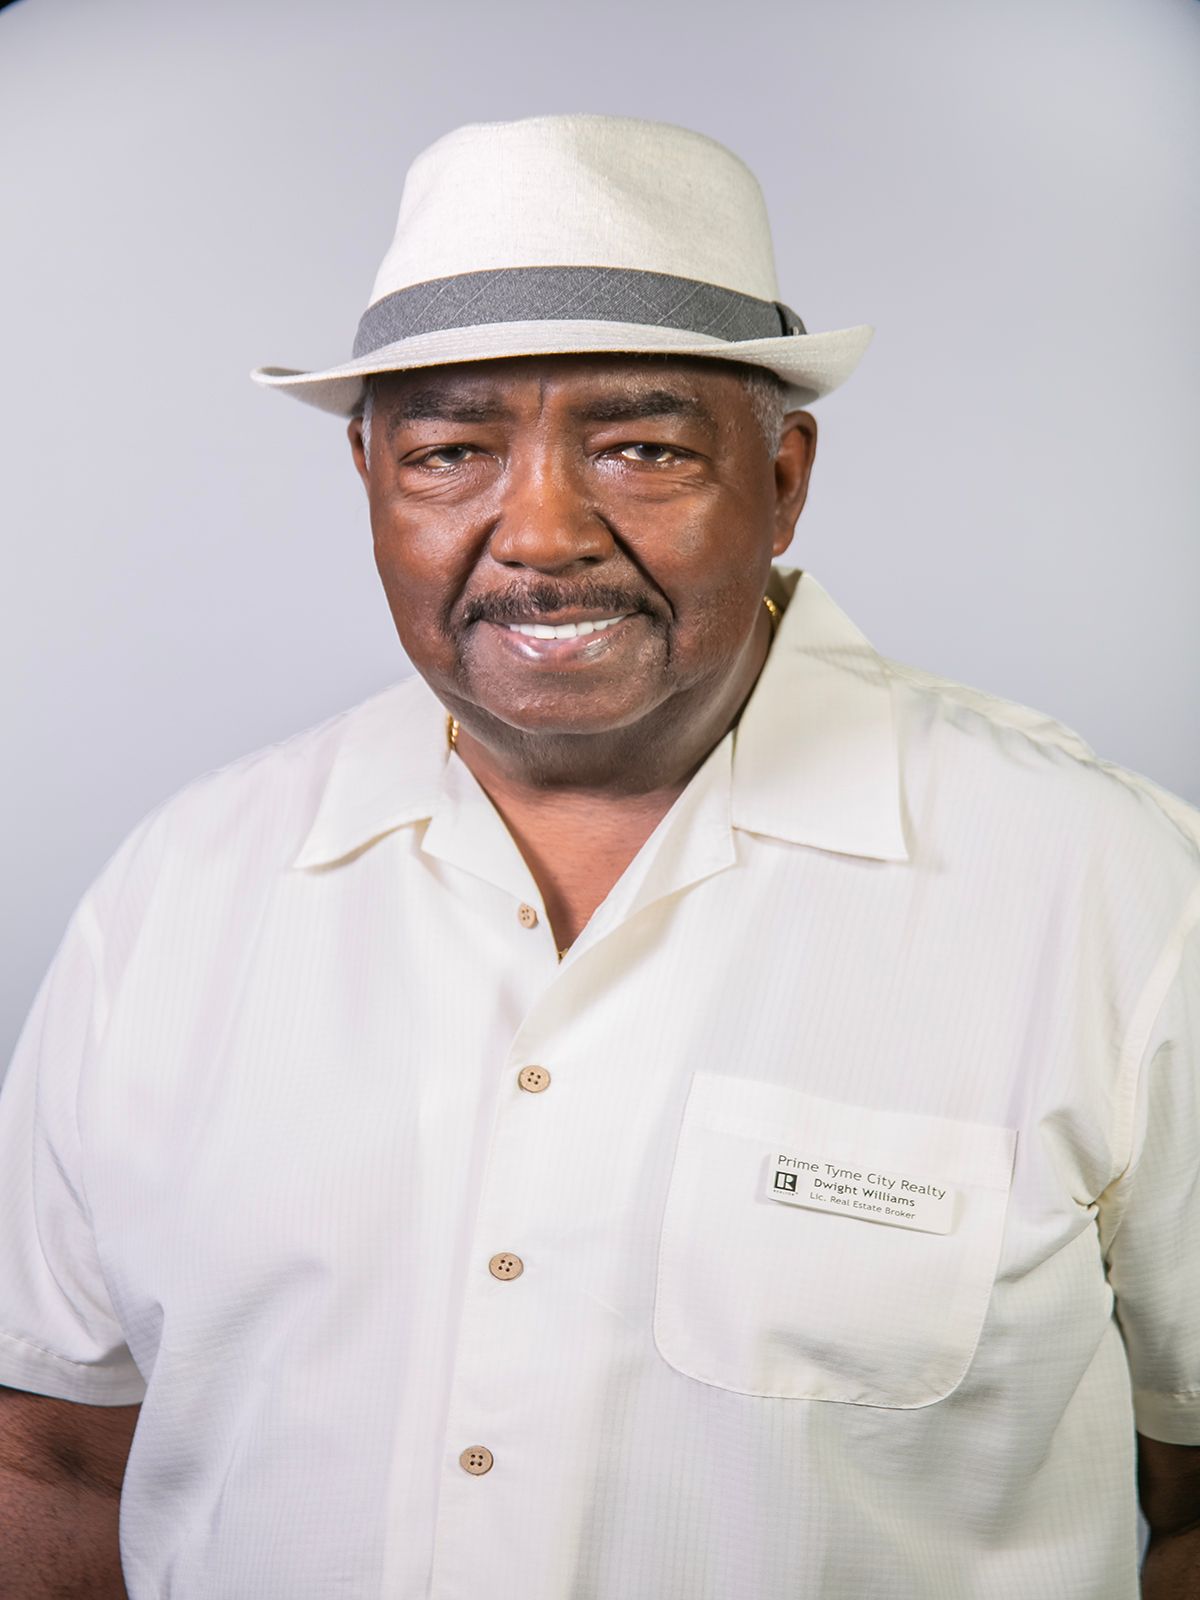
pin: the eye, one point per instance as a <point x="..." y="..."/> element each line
<point x="453" y="455"/>
<point x="667" y="454"/>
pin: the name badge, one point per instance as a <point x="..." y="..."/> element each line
<point x="901" y="1200"/>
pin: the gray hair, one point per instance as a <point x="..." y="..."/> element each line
<point x="768" y="396"/>
<point x="364" y="411"/>
<point x="766" y="393"/>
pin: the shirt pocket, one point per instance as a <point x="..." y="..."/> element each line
<point x="775" y="1299"/>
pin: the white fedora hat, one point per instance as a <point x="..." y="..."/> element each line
<point x="565" y="234"/>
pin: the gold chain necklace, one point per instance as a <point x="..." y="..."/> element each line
<point x="452" y="723"/>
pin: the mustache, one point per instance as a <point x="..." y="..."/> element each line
<point x="543" y="599"/>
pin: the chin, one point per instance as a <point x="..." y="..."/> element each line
<point x="566" y="721"/>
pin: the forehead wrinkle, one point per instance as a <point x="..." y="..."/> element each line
<point x="643" y="403"/>
<point x="451" y="400"/>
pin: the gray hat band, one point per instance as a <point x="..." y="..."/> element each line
<point x="571" y="294"/>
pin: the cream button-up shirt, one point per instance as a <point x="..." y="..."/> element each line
<point x="822" y="1226"/>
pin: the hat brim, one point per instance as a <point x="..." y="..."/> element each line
<point x="812" y="364"/>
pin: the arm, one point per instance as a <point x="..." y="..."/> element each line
<point x="61" y="1468"/>
<point x="1148" y="1219"/>
<point x="1169" y="1490"/>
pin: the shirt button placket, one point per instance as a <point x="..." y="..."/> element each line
<point x="477" y="1458"/>
<point x="505" y="1266"/>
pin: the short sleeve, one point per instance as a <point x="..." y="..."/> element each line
<point x="1154" y="1253"/>
<point x="59" y="1334"/>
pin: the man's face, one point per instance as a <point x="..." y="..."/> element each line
<point x="630" y="506"/>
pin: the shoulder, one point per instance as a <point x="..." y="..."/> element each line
<point x="1029" y="774"/>
<point x="242" y="823"/>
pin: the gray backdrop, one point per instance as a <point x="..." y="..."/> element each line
<point x="1004" y="493"/>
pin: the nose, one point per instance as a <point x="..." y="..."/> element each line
<point x="548" y="519"/>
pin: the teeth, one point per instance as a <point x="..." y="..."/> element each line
<point x="565" y="630"/>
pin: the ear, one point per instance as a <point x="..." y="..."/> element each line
<point x="355" y="435"/>
<point x="793" y="468"/>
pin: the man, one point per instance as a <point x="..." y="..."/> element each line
<point x="665" y="1103"/>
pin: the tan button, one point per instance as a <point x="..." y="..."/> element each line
<point x="527" y="916"/>
<point x="477" y="1459"/>
<point x="535" y="1079"/>
<point x="506" y="1266"/>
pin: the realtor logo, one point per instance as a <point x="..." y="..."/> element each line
<point x="785" y="1180"/>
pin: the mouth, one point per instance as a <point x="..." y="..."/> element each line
<point x="580" y="628"/>
<point x="576" y="641"/>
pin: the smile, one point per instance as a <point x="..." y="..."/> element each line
<point x="562" y="630"/>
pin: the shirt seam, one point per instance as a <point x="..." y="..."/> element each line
<point x="65" y="1361"/>
<point x="1045" y="734"/>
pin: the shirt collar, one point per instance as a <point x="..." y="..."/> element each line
<point x="815" y="758"/>
<point x="386" y="771"/>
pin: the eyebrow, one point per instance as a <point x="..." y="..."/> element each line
<point x="438" y="404"/>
